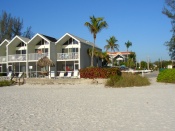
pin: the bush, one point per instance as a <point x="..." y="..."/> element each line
<point x="96" y="72"/>
<point x="167" y="76"/>
<point x="6" y="83"/>
<point x="127" y="80"/>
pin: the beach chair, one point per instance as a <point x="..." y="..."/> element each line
<point x="75" y="75"/>
<point x="69" y="74"/>
<point x="61" y="75"/>
<point x="19" y="77"/>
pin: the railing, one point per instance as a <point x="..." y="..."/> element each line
<point x="36" y="56"/>
<point x="2" y="58"/>
<point x="66" y="56"/>
<point x="17" y="57"/>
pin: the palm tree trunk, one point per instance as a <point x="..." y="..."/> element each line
<point x="92" y="57"/>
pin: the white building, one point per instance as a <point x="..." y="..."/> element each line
<point x="69" y="53"/>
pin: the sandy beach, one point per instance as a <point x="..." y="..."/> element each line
<point x="87" y="107"/>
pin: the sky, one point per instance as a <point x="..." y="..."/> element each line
<point x="139" y="21"/>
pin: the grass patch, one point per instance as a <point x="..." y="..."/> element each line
<point x="127" y="80"/>
<point x="6" y="83"/>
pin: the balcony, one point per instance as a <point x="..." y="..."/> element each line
<point x="2" y="59"/>
<point x="36" y="56"/>
<point x="67" y="56"/>
<point x="17" y="57"/>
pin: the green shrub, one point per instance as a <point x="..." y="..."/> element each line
<point x="113" y="80"/>
<point x="127" y="80"/>
<point x="96" y="72"/>
<point x="167" y="76"/>
<point x="6" y="83"/>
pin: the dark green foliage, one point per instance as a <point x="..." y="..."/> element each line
<point x="6" y="83"/>
<point x="96" y="72"/>
<point x="127" y="80"/>
<point x="167" y="76"/>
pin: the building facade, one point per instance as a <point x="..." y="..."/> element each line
<point x="69" y="53"/>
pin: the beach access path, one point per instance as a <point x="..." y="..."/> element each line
<point x="88" y="107"/>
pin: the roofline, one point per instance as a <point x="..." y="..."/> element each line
<point x="64" y="36"/>
<point x="14" y="39"/>
<point x="4" y="41"/>
<point x="37" y="34"/>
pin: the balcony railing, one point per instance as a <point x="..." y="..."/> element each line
<point x="36" y="56"/>
<point x="66" y="56"/>
<point x="2" y="58"/>
<point x="17" y="57"/>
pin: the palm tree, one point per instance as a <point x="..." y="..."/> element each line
<point x="95" y="26"/>
<point x="105" y="58"/>
<point x="111" y="44"/>
<point x="96" y="53"/>
<point x="128" y="44"/>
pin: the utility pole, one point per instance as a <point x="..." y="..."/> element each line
<point x="148" y="63"/>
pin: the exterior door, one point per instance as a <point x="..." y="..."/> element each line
<point x="76" y="66"/>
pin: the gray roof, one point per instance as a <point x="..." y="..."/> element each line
<point x="49" y="38"/>
<point x="24" y="39"/>
<point x="84" y="41"/>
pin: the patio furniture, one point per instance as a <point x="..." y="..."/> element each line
<point x="69" y="74"/>
<point x="19" y="77"/>
<point x="75" y="74"/>
<point x="61" y="75"/>
<point x="8" y="77"/>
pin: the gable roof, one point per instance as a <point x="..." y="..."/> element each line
<point x="45" y="37"/>
<point x="23" y="39"/>
<point x="6" y="40"/>
<point x="50" y="38"/>
<point x="78" y="39"/>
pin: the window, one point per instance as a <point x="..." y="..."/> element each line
<point x="21" y="44"/>
<point x="18" y="52"/>
<point x="66" y="43"/>
<point x="41" y="42"/>
<point x="73" y="50"/>
<point x="70" y="41"/>
<point x="64" y="50"/>
<point x="23" y="51"/>
<point x="75" y="42"/>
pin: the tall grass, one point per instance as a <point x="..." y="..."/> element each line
<point x="127" y="80"/>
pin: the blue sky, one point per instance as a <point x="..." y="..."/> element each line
<point x="139" y="21"/>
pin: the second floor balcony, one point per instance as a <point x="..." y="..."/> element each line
<point x="36" y="56"/>
<point x="17" y="57"/>
<point x="3" y="59"/>
<point x="67" y="56"/>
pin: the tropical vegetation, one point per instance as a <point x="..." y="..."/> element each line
<point x="96" y="72"/>
<point x="95" y="25"/>
<point x="127" y="80"/>
<point x="167" y="76"/>
<point x="128" y="44"/>
<point x="169" y="11"/>
<point x="111" y="44"/>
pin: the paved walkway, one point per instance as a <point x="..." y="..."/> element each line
<point x="87" y="108"/>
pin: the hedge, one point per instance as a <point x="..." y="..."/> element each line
<point x="96" y="72"/>
<point x="167" y="76"/>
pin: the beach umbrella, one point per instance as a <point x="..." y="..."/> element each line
<point x="45" y="61"/>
